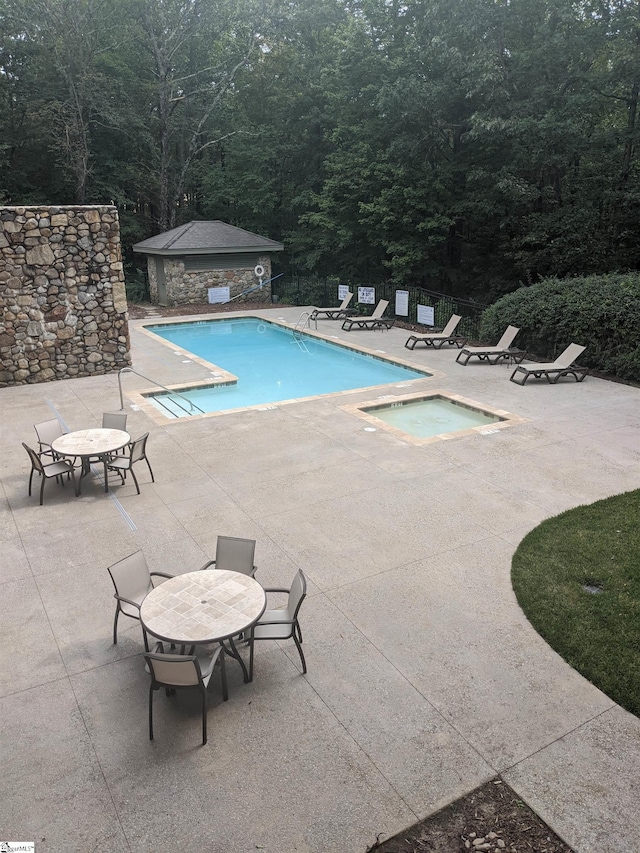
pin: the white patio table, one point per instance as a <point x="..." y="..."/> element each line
<point x="91" y="443"/>
<point x="207" y="606"/>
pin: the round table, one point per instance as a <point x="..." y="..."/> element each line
<point x="208" y="606"/>
<point x="87" y="443"/>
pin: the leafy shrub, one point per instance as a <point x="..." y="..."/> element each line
<point x="599" y="312"/>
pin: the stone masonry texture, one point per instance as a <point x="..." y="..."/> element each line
<point x="191" y="288"/>
<point x="62" y="294"/>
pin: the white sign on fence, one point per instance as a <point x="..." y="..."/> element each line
<point x="425" y="315"/>
<point x="367" y="295"/>
<point x="218" y="294"/>
<point x="402" y="303"/>
<point x="343" y="290"/>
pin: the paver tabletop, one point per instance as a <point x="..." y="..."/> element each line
<point x="203" y="607"/>
<point x="91" y="442"/>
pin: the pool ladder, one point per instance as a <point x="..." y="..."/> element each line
<point x="304" y="321"/>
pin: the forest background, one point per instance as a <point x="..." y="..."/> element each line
<point x="467" y="146"/>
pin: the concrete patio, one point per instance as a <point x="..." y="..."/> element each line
<point x="425" y="678"/>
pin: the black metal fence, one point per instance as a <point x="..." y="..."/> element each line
<point x="307" y="290"/>
<point x="323" y="292"/>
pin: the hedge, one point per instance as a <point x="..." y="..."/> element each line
<point x="601" y="312"/>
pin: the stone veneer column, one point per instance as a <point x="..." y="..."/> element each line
<point x="62" y="294"/>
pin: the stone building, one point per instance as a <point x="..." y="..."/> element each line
<point x="208" y="262"/>
<point x="63" y="306"/>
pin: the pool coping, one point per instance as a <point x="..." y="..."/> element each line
<point x="507" y="419"/>
<point x="219" y="376"/>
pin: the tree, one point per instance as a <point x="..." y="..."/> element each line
<point x="57" y="47"/>
<point x="262" y="176"/>
<point x="467" y="145"/>
<point x="196" y="49"/>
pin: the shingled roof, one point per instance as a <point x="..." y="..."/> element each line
<point x="206" y="238"/>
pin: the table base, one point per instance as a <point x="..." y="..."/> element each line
<point x="234" y="653"/>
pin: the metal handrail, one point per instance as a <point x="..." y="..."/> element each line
<point x="255" y="287"/>
<point x="307" y="315"/>
<point x="192" y="405"/>
<point x="297" y="336"/>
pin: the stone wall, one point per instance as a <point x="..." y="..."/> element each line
<point x="186" y="287"/>
<point x="62" y="294"/>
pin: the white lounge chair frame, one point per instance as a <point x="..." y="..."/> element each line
<point x="437" y="339"/>
<point x="338" y="313"/>
<point x="502" y="351"/>
<point x="372" y="321"/>
<point x="563" y="366"/>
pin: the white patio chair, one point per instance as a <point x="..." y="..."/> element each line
<point x="178" y="672"/>
<point x="281" y="623"/>
<point x="47" y="432"/>
<point x="234" y="555"/>
<point x="49" y="470"/>
<point x="137" y="451"/>
<point x="114" y="420"/>
<point x="132" y="581"/>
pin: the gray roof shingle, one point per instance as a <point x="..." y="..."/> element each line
<point x="213" y="237"/>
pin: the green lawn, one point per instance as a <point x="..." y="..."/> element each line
<point x="598" y="633"/>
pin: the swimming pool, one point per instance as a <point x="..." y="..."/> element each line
<point x="271" y="363"/>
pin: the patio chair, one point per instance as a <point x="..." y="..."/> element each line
<point x="563" y="366"/>
<point x="234" y="555"/>
<point x="47" y="432"/>
<point x="132" y="581"/>
<point x="338" y="313"/>
<point x="282" y="623"/>
<point x="437" y="339"/>
<point x="114" y="420"/>
<point x="110" y="420"/>
<point x="48" y="470"/>
<point x="178" y="672"/>
<point x="137" y="451"/>
<point x="373" y="321"/>
<point x="502" y="351"/>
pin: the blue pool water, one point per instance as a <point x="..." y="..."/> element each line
<point x="271" y="364"/>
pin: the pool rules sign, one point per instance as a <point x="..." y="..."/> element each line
<point x="402" y="303"/>
<point x="366" y="295"/>
<point x="218" y="294"/>
<point x="426" y="315"/>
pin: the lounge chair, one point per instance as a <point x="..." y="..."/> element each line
<point x="437" y="339"/>
<point x="373" y="321"/>
<point x="563" y="366"/>
<point x="338" y="313"/>
<point x="502" y="351"/>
